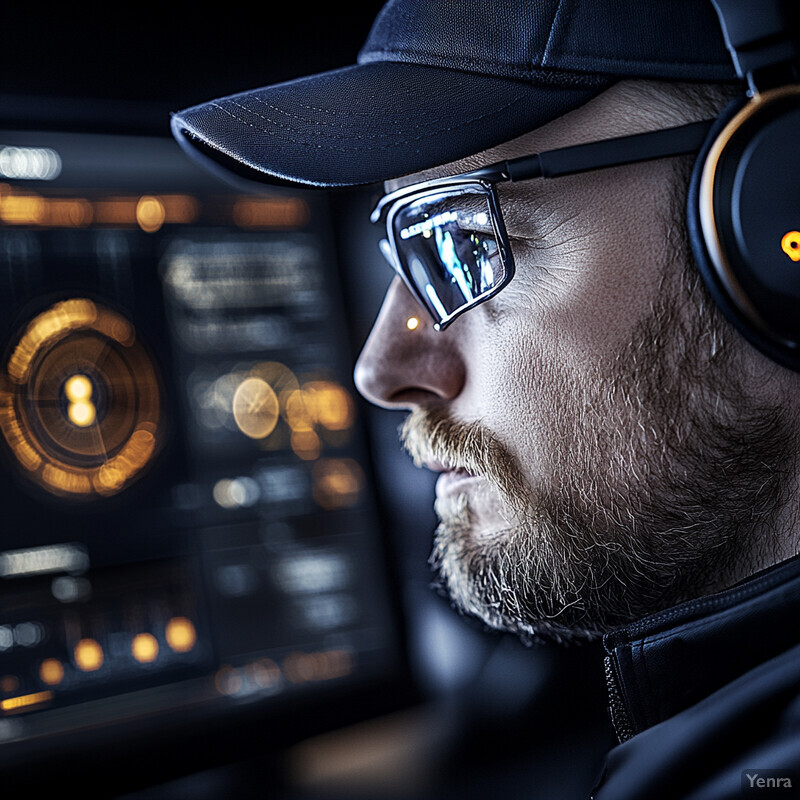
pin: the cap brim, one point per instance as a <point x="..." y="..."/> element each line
<point x="367" y="123"/>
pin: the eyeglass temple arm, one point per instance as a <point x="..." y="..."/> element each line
<point x="597" y="155"/>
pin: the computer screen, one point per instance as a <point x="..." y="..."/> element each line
<point x="190" y="527"/>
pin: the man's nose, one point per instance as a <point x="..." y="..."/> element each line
<point x="405" y="362"/>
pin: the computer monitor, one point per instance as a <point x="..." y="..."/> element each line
<point x="192" y="554"/>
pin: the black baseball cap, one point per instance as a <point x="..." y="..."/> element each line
<point x="438" y="80"/>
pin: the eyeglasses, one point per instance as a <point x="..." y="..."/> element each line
<point x="446" y="237"/>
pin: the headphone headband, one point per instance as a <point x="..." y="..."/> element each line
<point x="760" y="44"/>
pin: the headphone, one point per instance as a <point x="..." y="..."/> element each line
<point x="744" y="194"/>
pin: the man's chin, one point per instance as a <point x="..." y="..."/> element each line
<point x="471" y="555"/>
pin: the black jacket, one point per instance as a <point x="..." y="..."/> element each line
<point x="705" y="697"/>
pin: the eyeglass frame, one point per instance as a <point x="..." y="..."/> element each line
<point x="571" y="160"/>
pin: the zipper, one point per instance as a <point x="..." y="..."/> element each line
<point x="620" y="718"/>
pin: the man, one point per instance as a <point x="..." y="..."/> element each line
<point x="615" y="459"/>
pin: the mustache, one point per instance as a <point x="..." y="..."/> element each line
<point x="431" y="436"/>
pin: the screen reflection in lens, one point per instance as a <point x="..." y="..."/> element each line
<point x="448" y="247"/>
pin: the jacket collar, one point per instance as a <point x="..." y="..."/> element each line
<point x="664" y="663"/>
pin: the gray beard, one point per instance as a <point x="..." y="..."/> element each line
<point x="652" y="499"/>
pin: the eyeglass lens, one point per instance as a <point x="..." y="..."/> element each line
<point x="448" y="248"/>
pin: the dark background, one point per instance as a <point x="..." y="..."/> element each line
<point x="495" y="718"/>
<point x="144" y="62"/>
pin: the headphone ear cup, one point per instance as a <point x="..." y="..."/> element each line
<point x="743" y="202"/>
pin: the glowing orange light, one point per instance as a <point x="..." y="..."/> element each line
<point x="282" y="380"/>
<point x="179" y="208"/>
<point x="337" y="482"/>
<point x="23" y="209"/>
<point x="82" y="413"/>
<point x="109" y="479"/>
<point x="78" y="388"/>
<point x="144" y="648"/>
<point x="81" y="410"/>
<point x="133" y="456"/>
<point x="52" y="324"/>
<point x="296" y="411"/>
<point x="790" y="244"/>
<point x="255" y="408"/>
<point x="13" y="704"/>
<point x="412" y="323"/>
<point x="69" y="212"/>
<point x="25" y="454"/>
<point x="115" y="327"/>
<point x="270" y="212"/>
<point x="150" y="214"/>
<point x="27" y="208"/>
<point x="67" y="481"/>
<point x="88" y="655"/>
<point x="117" y="211"/>
<point x="331" y="405"/>
<point x="68" y="447"/>
<point x="306" y="444"/>
<point x="181" y="635"/>
<point x="51" y="671"/>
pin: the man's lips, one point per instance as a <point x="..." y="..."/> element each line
<point x="450" y="479"/>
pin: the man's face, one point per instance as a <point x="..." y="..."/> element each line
<point x="600" y="454"/>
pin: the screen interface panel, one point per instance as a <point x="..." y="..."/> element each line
<point x="188" y="514"/>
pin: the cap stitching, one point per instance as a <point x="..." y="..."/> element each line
<point x="325" y="124"/>
<point x="330" y="135"/>
<point x="351" y="138"/>
<point x="329" y="112"/>
<point x="349" y="112"/>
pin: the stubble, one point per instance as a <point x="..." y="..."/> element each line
<point x="658" y="482"/>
